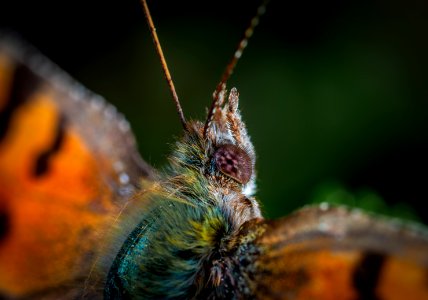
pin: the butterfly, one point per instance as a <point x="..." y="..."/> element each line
<point x="82" y="215"/>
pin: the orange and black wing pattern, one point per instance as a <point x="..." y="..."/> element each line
<point x="329" y="253"/>
<point x="68" y="165"/>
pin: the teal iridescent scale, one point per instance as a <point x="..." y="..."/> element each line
<point x="124" y="267"/>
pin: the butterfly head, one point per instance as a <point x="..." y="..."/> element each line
<point x="220" y="154"/>
<point x="234" y="153"/>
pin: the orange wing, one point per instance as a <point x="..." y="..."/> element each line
<point x="68" y="164"/>
<point x="336" y="253"/>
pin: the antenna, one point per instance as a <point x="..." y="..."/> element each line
<point x="163" y="63"/>
<point x="232" y="63"/>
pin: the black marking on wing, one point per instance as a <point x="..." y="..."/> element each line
<point x="24" y="84"/>
<point x="42" y="162"/>
<point x="366" y="275"/>
<point x="4" y="224"/>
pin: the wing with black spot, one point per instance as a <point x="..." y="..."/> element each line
<point x="68" y="166"/>
<point x="332" y="253"/>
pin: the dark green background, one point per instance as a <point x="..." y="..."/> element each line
<point x="334" y="94"/>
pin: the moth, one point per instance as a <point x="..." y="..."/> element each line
<point x="82" y="215"/>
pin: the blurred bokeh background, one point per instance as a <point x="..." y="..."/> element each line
<point x="334" y="93"/>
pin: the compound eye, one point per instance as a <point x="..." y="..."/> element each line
<point x="234" y="162"/>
